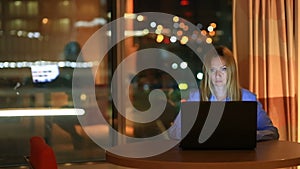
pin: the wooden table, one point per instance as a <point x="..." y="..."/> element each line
<point x="269" y="154"/>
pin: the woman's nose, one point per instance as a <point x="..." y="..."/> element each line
<point x="218" y="73"/>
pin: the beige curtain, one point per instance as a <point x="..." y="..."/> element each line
<point x="265" y="44"/>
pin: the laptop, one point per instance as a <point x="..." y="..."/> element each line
<point x="219" y="125"/>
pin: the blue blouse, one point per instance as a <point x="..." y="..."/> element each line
<point x="265" y="128"/>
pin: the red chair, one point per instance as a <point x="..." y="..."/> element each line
<point x="41" y="154"/>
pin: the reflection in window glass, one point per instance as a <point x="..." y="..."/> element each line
<point x="61" y="25"/>
<point x="38" y="52"/>
<point x="64" y="7"/>
<point x="32" y="8"/>
<point x="17" y="24"/>
<point x="42" y="33"/>
<point x="17" y="8"/>
<point x="21" y="24"/>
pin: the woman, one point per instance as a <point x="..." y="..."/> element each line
<point x="220" y="83"/>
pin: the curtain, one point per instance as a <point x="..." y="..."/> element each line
<point x="265" y="45"/>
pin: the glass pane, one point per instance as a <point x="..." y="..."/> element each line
<point x="32" y="8"/>
<point x="40" y="42"/>
<point x="213" y="20"/>
<point x="39" y="52"/>
<point x="17" y="24"/>
<point x="62" y="25"/>
<point x="64" y="7"/>
<point x="16" y="8"/>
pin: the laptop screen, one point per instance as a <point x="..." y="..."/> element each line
<point x="220" y="125"/>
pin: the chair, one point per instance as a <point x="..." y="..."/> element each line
<point x="41" y="154"/>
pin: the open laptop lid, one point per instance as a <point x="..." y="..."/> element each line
<point x="220" y="125"/>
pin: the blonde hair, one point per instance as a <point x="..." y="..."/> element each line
<point x="232" y="83"/>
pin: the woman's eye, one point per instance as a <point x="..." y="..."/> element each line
<point x="224" y="69"/>
<point x="221" y="69"/>
<point x="212" y="70"/>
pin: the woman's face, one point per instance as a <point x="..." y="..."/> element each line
<point x="218" y="72"/>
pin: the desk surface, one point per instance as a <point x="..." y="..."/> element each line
<point x="269" y="154"/>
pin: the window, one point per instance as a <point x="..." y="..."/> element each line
<point x="32" y="8"/>
<point x="39" y="47"/>
<point x="40" y="42"/>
